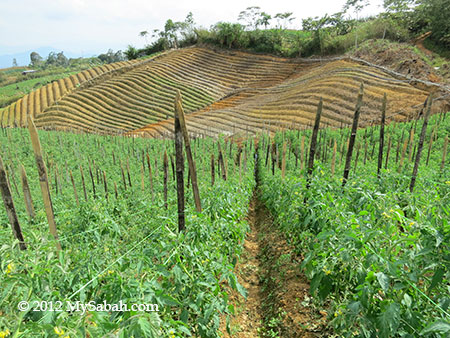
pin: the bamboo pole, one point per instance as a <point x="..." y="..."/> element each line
<point x="9" y="206"/>
<point x="179" y="112"/>
<point x="421" y="141"/>
<point x="27" y="193"/>
<point x="353" y="135"/>
<point x="43" y="181"/>
<point x="380" y="149"/>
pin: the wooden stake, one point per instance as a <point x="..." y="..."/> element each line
<point x="387" y="153"/>
<point x="179" y="161"/>
<point x="150" y="175"/>
<point x="302" y="153"/>
<point x="333" y="161"/>
<point x="128" y="172"/>
<point x="283" y="161"/>
<point x="9" y="206"/>
<point x="312" y="149"/>
<point x="179" y="112"/>
<point x="142" y="178"/>
<point x="429" y="147"/>
<point x="212" y="170"/>
<point x="43" y="181"/>
<point x="27" y="193"/>
<point x="380" y="149"/>
<point x="105" y="184"/>
<point x="166" y="174"/>
<point x="221" y="163"/>
<point x="421" y="141"/>
<point x="92" y="179"/>
<point x="82" y="181"/>
<point x="353" y="135"/>
<point x="74" y="188"/>
<point x="444" y="152"/>
<point x="405" y="146"/>
<point x="123" y="176"/>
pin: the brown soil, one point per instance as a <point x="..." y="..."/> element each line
<point x="400" y="58"/>
<point x="278" y="302"/>
<point x="420" y="45"/>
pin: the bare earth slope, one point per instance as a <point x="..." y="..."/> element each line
<point x="223" y="92"/>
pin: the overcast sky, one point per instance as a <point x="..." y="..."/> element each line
<point x="93" y="26"/>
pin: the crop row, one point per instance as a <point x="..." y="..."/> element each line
<point x="292" y="103"/>
<point x="38" y="100"/>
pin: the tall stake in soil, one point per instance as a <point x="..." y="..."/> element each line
<point x="333" y="161"/>
<point x="150" y="174"/>
<point x="212" y="170"/>
<point x="43" y="181"/>
<point x="74" y="188"/>
<point x="82" y="182"/>
<point x="444" y="153"/>
<point x="387" y="153"/>
<point x="312" y="149"/>
<point x="179" y="161"/>
<point x="166" y="174"/>
<point x="9" y="205"/>
<point x="27" y="193"/>
<point x="105" y="184"/>
<point x="283" y="161"/>
<point x="351" y="142"/>
<point x="421" y="141"/>
<point x="380" y="150"/>
<point x="179" y="112"/>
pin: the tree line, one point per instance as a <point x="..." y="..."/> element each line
<point x="259" y="31"/>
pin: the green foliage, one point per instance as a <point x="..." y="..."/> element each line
<point x="377" y="254"/>
<point x="121" y="249"/>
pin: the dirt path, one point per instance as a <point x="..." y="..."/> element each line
<point x="278" y="301"/>
<point x="420" y="45"/>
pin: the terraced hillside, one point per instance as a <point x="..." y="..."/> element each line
<point x="223" y="92"/>
<point x="39" y="100"/>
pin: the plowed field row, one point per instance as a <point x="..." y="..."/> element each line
<point x="223" y="92"/>
<point x="44" y="97"/>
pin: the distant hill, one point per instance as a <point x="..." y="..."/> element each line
<point x="23" y="58"/>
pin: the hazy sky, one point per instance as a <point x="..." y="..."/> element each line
<point x="93" y="26"/>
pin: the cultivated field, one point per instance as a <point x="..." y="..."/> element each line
<point x="223" y="92"/>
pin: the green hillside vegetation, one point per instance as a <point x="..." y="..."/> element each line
<point x="258" y="31"/>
